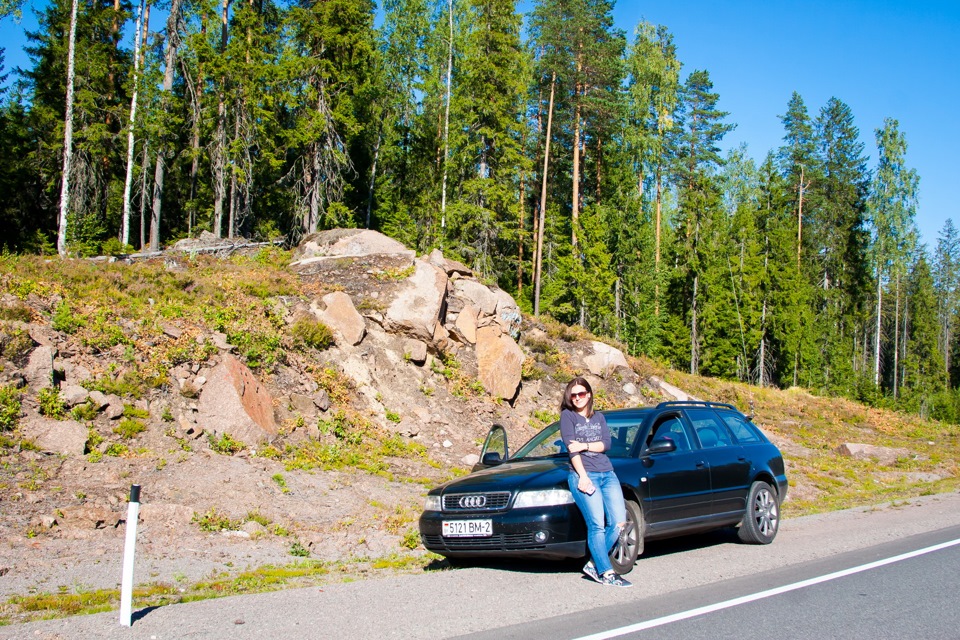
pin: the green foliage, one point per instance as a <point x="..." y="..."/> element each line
<point x="116" y="450"/>
<point x="51" y="404"/>
<point x="9" y="408"/>
<point x="214" y="520"/>
<point x="312" y="333"/>
<point x="225" y="444"/>
<point x="65" y="320"/>
<point x="298" y="550"/>
<point x="84" y="412"/>
<point x="129" y="428"/>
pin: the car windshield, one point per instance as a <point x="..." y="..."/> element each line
<point x="548" y="444"/>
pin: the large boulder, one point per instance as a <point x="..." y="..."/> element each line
<point x="499" y="360"/>
<point x="884" y="455"/>
<point x="39" y="369"/>
<point x="62" y="437"/>
<point x="340" y="243"/>
<point x="604" y="359"/>
<point x="416" y="308"/>
<point x="234" y="402"/>
<point x="336" y="310"/>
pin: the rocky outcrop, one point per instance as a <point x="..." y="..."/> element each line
<point x="336" y="310"/>
<point x="417" y="306"/>
<point x="62" y="437"/>
<point x="345" y="243"/>
<point x="39" y="369"/>
<point x="604" y="359"/>
<point x="883" y="455"/>
<point x="499" y="362"/>
<point x="234" y="402"/>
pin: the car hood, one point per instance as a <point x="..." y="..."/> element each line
<point x="510" y="476"/>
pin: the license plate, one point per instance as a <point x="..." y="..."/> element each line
<point x="467" y="528"/>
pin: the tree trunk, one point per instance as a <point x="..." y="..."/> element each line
<point x="896" y="341"/>
<point x="575" y="205"/>
<point x="170" y="61"/>
<point x="446" y="122"/>
<point x="656" y="260"/>
<point x="128" y="180"/>
<point x="67" y="136"/>
<point x="800" y="219"/>
<point x="144" y="171"/>
<point x="694" y="352"/>
<point x="373" y="174"/>
<point x="538" y="275"/>
<point x="220" y="151"/>
<point x="876" y="359"/>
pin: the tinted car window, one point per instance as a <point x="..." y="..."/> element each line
<point x="710" y="430"/>
<point x="744" y="432"/>
<point x="671" y="427"/>
<point x="543" y="445"/>
<point x="547" y="443"/>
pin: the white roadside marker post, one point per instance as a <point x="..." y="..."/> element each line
<point x="126" y="586"/>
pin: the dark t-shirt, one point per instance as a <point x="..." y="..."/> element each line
<point x="574" y="427"/>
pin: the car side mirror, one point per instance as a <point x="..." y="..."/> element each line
<point x="491" y="459"/>
<point x="661" y="445"/>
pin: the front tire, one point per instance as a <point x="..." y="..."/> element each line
<point x="624" y="556"/>
<point x="762" y="518"/>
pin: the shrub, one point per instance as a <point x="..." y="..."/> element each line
<point x="9" y="408"/>
<point x="64" y="319"/>
<point x="213" y="520"/>
<point x="51" y="404"/>
<point x="225" y="445"/>
<point x="129" y="427"/>
<point x="312" y="333"/>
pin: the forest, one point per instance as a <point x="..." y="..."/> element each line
<point x="576" y="166"/>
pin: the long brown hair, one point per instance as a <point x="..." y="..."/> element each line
<point x="567" y="402"/>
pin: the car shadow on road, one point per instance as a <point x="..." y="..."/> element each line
<point x="652" y="549"/>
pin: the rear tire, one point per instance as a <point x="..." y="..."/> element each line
<point x="762" y="518"/>
<point x="623" y="557"/>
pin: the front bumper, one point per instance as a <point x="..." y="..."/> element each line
<point x="562" y="533"/>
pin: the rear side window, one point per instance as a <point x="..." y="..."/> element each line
<point x="710" y="431"/>
<point x="745" y="432"/>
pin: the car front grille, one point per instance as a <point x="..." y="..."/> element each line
<point x="464" y="502"/>
<point x="500" y="541"/>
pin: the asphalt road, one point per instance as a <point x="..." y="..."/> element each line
<point x="526" y="600"/>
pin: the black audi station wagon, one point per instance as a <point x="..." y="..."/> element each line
<point x="685" y="467"/>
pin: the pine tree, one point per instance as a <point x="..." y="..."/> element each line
<point x="892" y="208"/>
<point x="839" y="238"/>
<point x="946" y="282"/>
<point x="699" y="202"/>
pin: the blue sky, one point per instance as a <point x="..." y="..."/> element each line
<point x="882" y="58"/>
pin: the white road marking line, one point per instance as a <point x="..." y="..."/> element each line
<point x="684" y="615"/>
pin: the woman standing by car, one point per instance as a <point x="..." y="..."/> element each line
<point x="595" y="486"/>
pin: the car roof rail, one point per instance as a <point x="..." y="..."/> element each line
<point x="694" y="403"/>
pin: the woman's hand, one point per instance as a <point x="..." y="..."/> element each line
<point x="585" y="486"/>
<point x="577" y="447"/>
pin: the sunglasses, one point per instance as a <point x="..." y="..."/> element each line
<point x="579" y="394"/>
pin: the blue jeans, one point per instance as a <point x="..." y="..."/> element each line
<point x="603" y="505"/>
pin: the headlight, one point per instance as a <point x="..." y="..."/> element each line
<point x="432" y="504"/>
<point x="543" y="498"/>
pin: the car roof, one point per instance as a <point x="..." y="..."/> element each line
<point x="637" y="413"/>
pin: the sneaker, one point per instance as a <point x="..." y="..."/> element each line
<point x="591" y="572"/>
<point x="611" y="579"/>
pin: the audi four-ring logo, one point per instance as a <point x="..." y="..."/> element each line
<point x="472" y="502"/>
